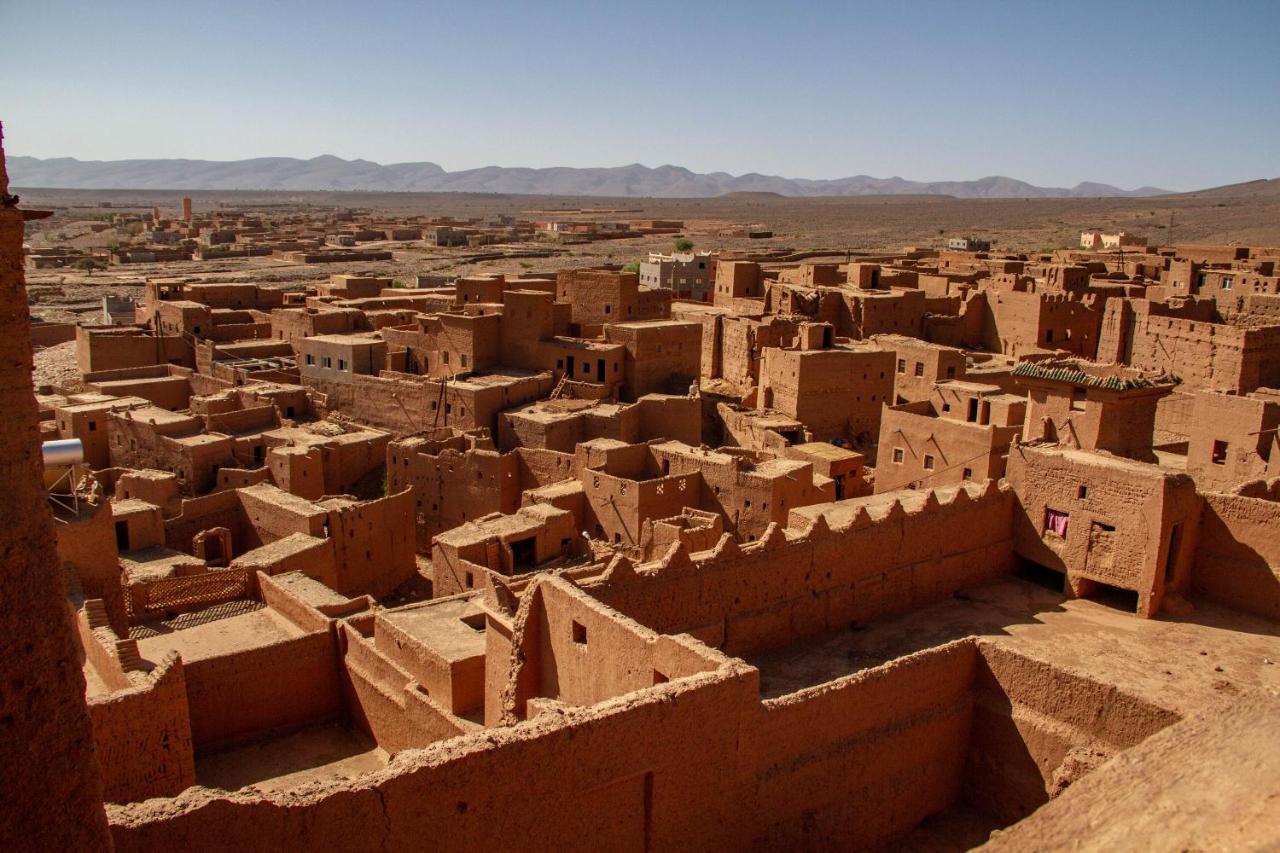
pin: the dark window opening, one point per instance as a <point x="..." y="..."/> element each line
<point x="579" y="633"/>
<point x="122" y="535"/>
<point x="1175" y="544"/>
<point x="1219" y="453"/>
<point x="524" y="553"/>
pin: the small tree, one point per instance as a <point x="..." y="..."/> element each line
<point x="684" y="244"/>
<point x="634" y="266"/>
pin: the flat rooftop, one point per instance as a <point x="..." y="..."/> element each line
<point x="441" y="627"/>
<point x="221" y="637"/>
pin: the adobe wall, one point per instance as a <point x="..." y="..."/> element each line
<point x="55" y="794"/>
<point x="452" y="486"/>
<point x="1175" y="418"/>
<point x="167" y="392"/>
<point x="220" y="509"/>
<point x="578" y="652"/>
<point x="600" y="296"/>
<point x="259" y="689"/>
<point x="294" y="553"/>
<point x="1120" y="521"/>
<point x="958" y="450"/>
<point x="856" y="762"/>
<point x="542" y="467"/>
<point x="618" y="505"/>
<point x="643" y="766"/>
<point x="368" y="560"/>
<point x="52" y="334"/>
<point x="387" y="703"/>
<point x="1238" y="559"/>
<point x="836" y="393"/>
<point x="787" y="585"/>
<point x="142" y="735"/>
<point x="1201" y="353"/>
<point x="1232" y="440"/>
<point x="677" y="418"/>
<point x="660" y="358"/>
<point x="405" y="404"/>
<point x="88" y="544"/>
<point x="1036" y="727"/>
<point x="113" y="351"/>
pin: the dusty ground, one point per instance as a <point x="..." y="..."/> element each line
<point x="285" y="761"/>
<point x="1249" y="214"/>
<point x="1206" y="657"/>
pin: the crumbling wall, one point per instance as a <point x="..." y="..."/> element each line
<point x="656" y="765"/>
<point x="142" y="735"/>
<point x="789" y="585"/>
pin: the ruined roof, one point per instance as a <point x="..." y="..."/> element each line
<point x="1076" y="376"/>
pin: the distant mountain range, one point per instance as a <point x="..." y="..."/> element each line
<point x="328" y="173"/>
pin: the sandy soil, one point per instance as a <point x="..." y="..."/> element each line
<point x="56" y="365"/>
<point x="1207" y="657"/>
<point x="285" y="761"/>
<point x="837" y="225"/>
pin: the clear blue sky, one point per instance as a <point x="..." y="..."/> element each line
<point x="1182" y="95"/>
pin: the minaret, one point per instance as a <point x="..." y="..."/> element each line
<point x="186" y="208"/>
<point x="52" y="793"/>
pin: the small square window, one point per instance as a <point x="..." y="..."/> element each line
<point x="919" y="368"/>
<point x="579" y="633"/>
<point x="902" y="365"/>
<point x="968" y="473"/>
<point x="898" y="455"/>
<point x="951" y="372"/>
<point x="1082" y="492"/>
<point x="1219" y="453"/>
<point x="928" y="462"/>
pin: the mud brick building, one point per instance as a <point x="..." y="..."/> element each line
<point x="333" y="586"/>
<point x="961" y="432"/>
<point x="835" y="393"/>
